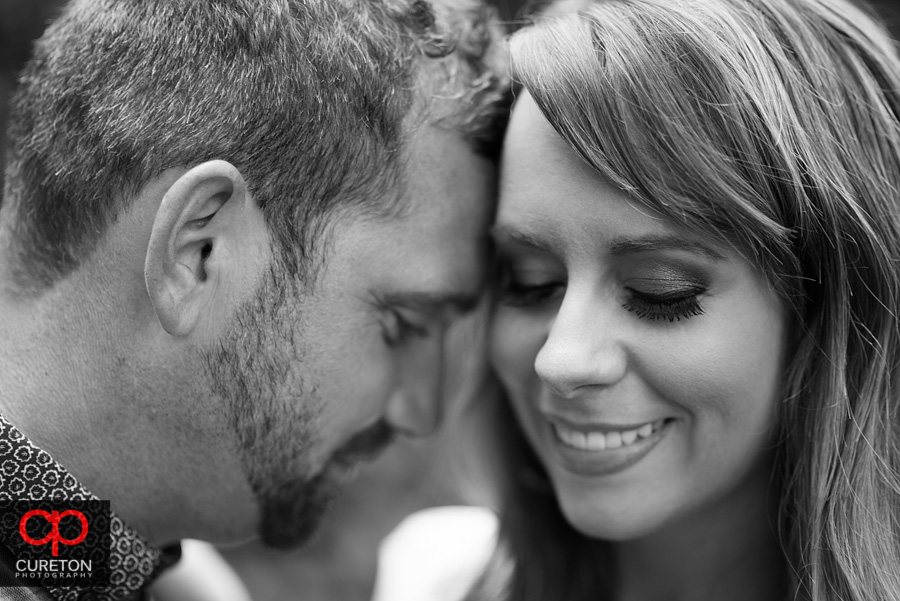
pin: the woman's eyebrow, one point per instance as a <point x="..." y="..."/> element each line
<point x="623" y="246"/>
<point x="502" y="234"/>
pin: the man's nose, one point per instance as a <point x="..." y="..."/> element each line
<point x="583" y="347"/>
<point x="416" y="407"/>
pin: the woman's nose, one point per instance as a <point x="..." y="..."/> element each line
<point x="583" y="347"/>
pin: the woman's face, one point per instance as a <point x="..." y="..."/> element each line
<point x="643" y="363"/>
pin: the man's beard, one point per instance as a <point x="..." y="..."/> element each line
<point x="293" y="510"/>
<point x="255" y="369"/>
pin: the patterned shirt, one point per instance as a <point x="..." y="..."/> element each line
<point x="29" y="473"/>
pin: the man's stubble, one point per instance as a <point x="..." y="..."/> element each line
<point x="273" y="407"/>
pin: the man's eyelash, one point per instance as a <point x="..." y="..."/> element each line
<point x="403" y="330"/>
<point x="517" y="295"/>
<point x="410" y="328"/>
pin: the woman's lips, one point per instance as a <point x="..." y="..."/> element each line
<point x="605" y="449"/>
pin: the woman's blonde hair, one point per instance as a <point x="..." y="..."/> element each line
<point x="772" y="127"/>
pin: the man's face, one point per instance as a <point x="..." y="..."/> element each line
<point x="318" y="380"/>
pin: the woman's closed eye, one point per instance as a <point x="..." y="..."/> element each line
<point x="665" y="303"/>
<point x="663" y="294"/>
<point x="528" y="289"/>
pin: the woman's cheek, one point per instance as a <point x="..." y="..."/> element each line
<point x="515" y="341"/>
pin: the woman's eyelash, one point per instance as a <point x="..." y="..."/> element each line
<point x="669" y="307"/>
<point x="512" y="291"/>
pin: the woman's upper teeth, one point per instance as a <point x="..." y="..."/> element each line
<point x="600" y="441"/>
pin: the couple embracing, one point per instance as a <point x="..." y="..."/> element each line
<point x="234" y="235"/>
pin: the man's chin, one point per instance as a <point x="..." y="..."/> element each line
<point x="292" y="516"/>
<point x="293" y="511"/>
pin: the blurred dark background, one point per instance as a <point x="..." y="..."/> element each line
<point x="340" y="565"/>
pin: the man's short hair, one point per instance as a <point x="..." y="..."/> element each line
<point x="311" y="100"/>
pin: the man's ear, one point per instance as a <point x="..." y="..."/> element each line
<point x="201" y="216"/>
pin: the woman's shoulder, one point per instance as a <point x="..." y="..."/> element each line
<point x="435" y="554"/>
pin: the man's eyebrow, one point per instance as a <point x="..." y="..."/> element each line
<point x="434" y="301"/>
<point x="624" y="246"/>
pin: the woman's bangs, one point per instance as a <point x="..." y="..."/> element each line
<point x="654" y="113"/>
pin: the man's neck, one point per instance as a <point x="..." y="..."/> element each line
<point x="84" y="382"/>
<point x="58" y="387"/>
<point x="46" y="375"/>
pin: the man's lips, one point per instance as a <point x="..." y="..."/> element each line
<point x="365" y="446"/>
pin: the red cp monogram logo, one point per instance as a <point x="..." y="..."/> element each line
<point x="54" y="519"/>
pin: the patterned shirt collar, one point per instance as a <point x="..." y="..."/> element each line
<point x="27" y="472"/>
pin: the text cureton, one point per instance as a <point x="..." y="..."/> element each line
<point x="53" y="565"/>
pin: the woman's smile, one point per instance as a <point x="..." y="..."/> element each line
<point x="604" y="449"/>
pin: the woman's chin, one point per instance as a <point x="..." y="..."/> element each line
<point x="614" y="522"/>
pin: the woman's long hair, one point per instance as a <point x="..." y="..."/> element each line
<point x="772" y="127"/>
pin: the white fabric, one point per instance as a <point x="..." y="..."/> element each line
<point x="201" y="574"/>
<point x="435" y="555"/>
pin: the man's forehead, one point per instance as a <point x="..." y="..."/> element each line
<point x="434" y="251"/>
<point x="428" y="143"/>
<point x="422" y="262"/>
<point x="446" y="177"/>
